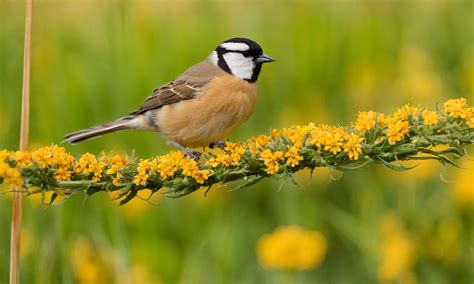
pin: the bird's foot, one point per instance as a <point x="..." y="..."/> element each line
<point x="196" y="155"/>
<point x="219" y="144"/>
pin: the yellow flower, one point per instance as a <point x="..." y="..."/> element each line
<point x="116" y="163"/>
<point x="353" y="146"/>
<point x="62" y="173"/>
<point x="22" y="159"/>
<point x="293" y="156"/>
<point x="143" y="168"/>
<point x="403" y="112"/>
<point x="456" y="108"/>
<point x="291" y="248"/>
<point x="397" y="250"/>
<point x="257" y="143"/>
<point x="52" y="155"/>
<point x="191" y="169"/>
<point x="469" y="112"/>
<point x="11" y="176"/>
<point x="333" y="142"/>
<point x="271" y="160"/>
<point x="202" y="175"/>
<point x="397" y="130"/>
<point x="430" y="117"/>
<point x="365" y="121"/>
<point x="168" y="164"/>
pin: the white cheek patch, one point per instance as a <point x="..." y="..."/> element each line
<point x="239" y="65"/>
<point x="235" y="46"/>
<point x="213" y="58"/>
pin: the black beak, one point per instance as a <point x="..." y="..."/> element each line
<point x="264" y="59"/>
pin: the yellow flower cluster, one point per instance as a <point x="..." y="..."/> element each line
<point x="291" y="248"/>
<point x="145" y="166"/>
<point x="271" y="160"/>
<point x="231" y="157"/>
<point x="396" y="130"/>
<point x="458" y="108"/>
<point x="430" y="117"/>
<point x="116" y="163"/>
<point x="11" y="176"/>
<point x="57" y="157"/>
<point x="367" y="120"/>
<point x="89" y="164"/>
<point x="167" y="166"/>
<point x="335" y="139"/>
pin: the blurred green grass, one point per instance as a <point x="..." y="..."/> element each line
<point x="94" y="61"/>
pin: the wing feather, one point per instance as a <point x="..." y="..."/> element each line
<point x="173" y="92"/>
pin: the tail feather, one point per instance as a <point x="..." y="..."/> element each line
<point x="98" y="130"/>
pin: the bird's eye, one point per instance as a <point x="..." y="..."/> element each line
<point x="246" y="53"/>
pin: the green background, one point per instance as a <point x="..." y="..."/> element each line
<point x="94" y="61"/>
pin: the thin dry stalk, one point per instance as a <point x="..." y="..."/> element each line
<point x="25" y="117"/>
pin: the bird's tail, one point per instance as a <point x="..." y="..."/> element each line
<point x="98" y="130"/>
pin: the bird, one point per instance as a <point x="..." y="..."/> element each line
<point x="202" y="106"/>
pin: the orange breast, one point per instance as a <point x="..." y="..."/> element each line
<point x="225" y="104"/>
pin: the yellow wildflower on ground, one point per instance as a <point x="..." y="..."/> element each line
<point x="397" y="250"/>
<point x="86" y="164"/>
<point x="397" y="130"/>
<point x="456" y="108"/>
<point x="293" y="156"/>
<point x="430" y="117"/>
<point x="353" y="146"/>
<point x="271" y="160"/>
<point x="291" y="248"/>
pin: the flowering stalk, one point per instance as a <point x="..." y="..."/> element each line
<point x="408" y="134"/>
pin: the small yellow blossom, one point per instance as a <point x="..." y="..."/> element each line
<point x="143" y="171"/>
<point x="169" y="164"/>
<point x="257" y="143"/>
<point x="52" y="155"/>
<point x="202" y="175"/>
<point x="405" y="111"/>
<point x="469" y="113"/>
<point x="456" y="108"/>
<point x="293" y="156"/>
<point x="333" y="142"/>
<point x="353" y="146"/>
<point x="271" y="160"/>
<point x="430" y="117"/>
<point x="365" y="121"/>
<point x="191" y="169"/>
<point x="22" y="159"/>
<point x="11" y="176"/>
<point x="291" y="248"/>
<point x="397" y="130"/>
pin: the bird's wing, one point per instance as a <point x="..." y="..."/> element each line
<point x="173" y="92"/>
<point x="187" y="86"/>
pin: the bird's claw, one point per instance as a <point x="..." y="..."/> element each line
<point x="219" y="144"/>
<point x="193" y="154"/>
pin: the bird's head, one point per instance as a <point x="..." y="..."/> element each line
<point x="241" y="57"/>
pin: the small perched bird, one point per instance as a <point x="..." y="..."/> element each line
<point x="201" y="106"/>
